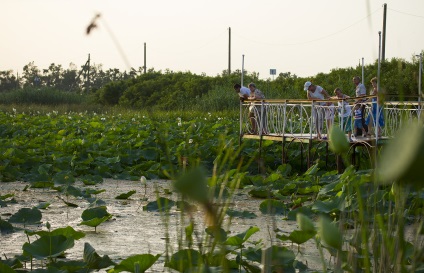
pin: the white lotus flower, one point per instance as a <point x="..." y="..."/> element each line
<point x="143" y="180"/>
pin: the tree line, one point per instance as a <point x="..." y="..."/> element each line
<point x="169" y="90"/>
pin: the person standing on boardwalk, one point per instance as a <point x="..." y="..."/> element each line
<point x="374" y="108"/>
<point x="357" y="119"/>
<point x="257" y="114"/>
<point x="242" y="91"/>
<point x="361" y="91"/>
<point x="344" y="111"/>
<point x="316" y="92"/>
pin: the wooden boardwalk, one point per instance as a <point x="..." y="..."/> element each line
<point x="292" y="121"/>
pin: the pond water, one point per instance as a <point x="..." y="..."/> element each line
<point x="131" y="230"/>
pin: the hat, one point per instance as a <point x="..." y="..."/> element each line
<point x="306" y="86"/>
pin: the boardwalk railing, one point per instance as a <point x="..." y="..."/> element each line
<point x="303" y="118"/>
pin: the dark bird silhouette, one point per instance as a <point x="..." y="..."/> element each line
<point x="92" y="24"/>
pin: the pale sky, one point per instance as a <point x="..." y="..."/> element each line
<point x="303" y="37"/>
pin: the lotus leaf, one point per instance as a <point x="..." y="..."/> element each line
<point x="4" y="197"/>
<point x="136" y="263"/>
<point x="69" y="266"/>
<point x="403" y="163"/>
<point x="184" y="260"/>
<point x="217" y="232"/>
<point x="93" y="260"/>
<point x="161" y="204"/>
<point x="91" y="179"/>
<point x="48" y="246"/>
<point x="297" y="236"/>
<point x="239" y="239"/>
<point x="241" y="214"/>
<point x="64" y="178"/>
<point x="327" y="206"/>
<point x="305" y="223"/>
<point x="261" y="192"/>
<point x="5" y="268"/>
<point x="26" y="216"/>
<point x="68" y="232"/>
<point x="150" y="154"/>
<point x="93" y="217"/>
<point x="43" y="205"/>
<point x="69" y="204"/>
<point x="193" y="184"/>
<point x="282" y="259"/>
<point x="329" y="233"/>
<point x="125" y="195"/>
<point x="304" y="210"/>
<point x="13" y="263"/>
<point x="5" y="227"/>
<point x="50" y="269"/>
<point x="271" y="206"/>
<point x="185" y="206"/>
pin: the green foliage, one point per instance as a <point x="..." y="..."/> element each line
<point x="4" y="268"/>
<point x="48" y="246"/>
<point x="185" y="260"/>
<point x="330" y="233"/>
<point x="193" y="185"/>
<point x="239" y="239"/>
<point x="68" y="232"/>
<point x="26" y="216"/>
<point x="93" y="260"/>
<point x="338" y="141"/>
<point x="135" y="264"/>
<point x="93" y="217"/>
<point x="161" y="204"/>
<point x="178" y="91"/>
<point x="5" y="227"/>
<point x="124" y="196"/>
<point x="42" y="96"/>
<point x="402" y="162"/>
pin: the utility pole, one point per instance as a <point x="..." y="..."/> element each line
<point x="144" y="58"/>
<point x="242" y="69"/>
<point x="87" y="83"/>
<point x="379" y="62"/>
<point x="229" y="50"/>
<point x="420" y="72"/>
<point x="383" y="52"/>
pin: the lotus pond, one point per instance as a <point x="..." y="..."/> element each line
<point x="173" y="192"/>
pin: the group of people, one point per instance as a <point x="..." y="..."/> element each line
<point x="326" y="109"/>
<point x="361" y="124"/>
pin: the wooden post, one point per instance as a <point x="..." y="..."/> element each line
<point x="145" y="59"/>
<point x="383" y="52"/>
<point x="229" y="50"/>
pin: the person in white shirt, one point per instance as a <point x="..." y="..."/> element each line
<point x="345" y="111"/>
<point x="316" y="92"/>
<point x="257" y="114"/>
<point x="242" y="91"/>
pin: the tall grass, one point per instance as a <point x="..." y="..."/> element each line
<point x="41" y="96"/>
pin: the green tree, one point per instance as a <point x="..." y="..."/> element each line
<point x="30" y="72"/>
<point x="8" y="81"/>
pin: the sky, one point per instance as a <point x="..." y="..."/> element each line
<point x="303" y="37"/>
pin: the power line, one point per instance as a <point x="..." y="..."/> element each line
<point x="315" y="40"/>
<point x="409" y="14"/>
